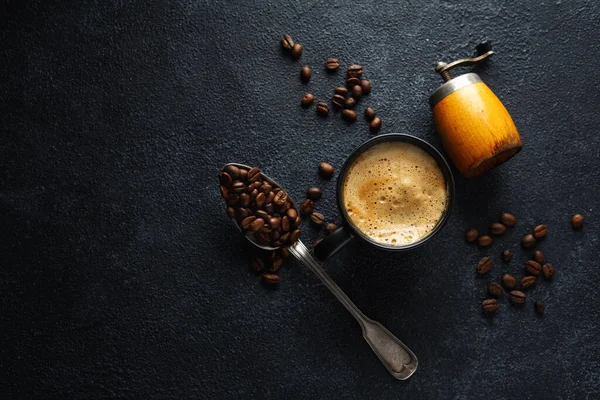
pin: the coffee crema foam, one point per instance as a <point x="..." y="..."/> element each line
<point x="395" y="193"/>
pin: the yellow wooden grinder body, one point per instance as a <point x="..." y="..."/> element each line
<point x="476" y="130"/>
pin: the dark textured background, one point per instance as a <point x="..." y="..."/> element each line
<point x="122" y="277"/>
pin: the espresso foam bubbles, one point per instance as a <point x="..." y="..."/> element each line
<point x="395" y="193"/>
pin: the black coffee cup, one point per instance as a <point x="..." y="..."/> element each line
<point x="337" y="239"/>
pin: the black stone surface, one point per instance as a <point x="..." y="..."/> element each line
<point x="122" y="277"/>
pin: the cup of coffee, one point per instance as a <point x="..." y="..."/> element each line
<point x="395" y="192"/>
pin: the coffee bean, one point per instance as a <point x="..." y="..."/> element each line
<point x="326" y="170"/>
<point x="256" y="224"/>
<point x="332" y="64"/>
<point x="294" y="236"/>
<point x="270" y="279"/>
<point x="266" y="187"/>
<point x="342" y="91"/>
<point x="484" y="241"/>
<point x="354" y="71"/>
<point x="253" y="195"/>
<point x="528" y="281"/>
<point x="292" y="214"/>
<point x="471" y="235"/>
<point x="258" y="185"/>
<point x="274" y="222"/>
<point x="508" y="219"/>
<point x="287" y="42"/>
<point x="269" y="208"/>
<point x="232" y="171"/>
<point x="495" y="289"/>
<point x="244" y="199"/>
<point x="243" y="175"/>
<point x="269" y="198"/>
<point x="306" y="207"/>
<point x="266" y="229"/>
<point x="540" y="231"/>
<point x="284" y="238"/>
<point x="351" y="82"/>
<point x="517" y="297"/>
<point x="375" y="125"/>
<point x="484" y="265"/>
<point x="577" y="221"/>
<point x="506" y="255"/>
<point x="350" y="103"/>
<point x="305" y="73"/>
<point x="357" y="91"/>
<point x="248" y="221"/>
<point x="539" y="307"/>
<point x="257" y="264"/>
<point x="225" y="179"/>
<point x="497" y="229"/>
<point x="369" y="113"/>
<point x="509" y="281"/>
<point x="296" y="51"/>
<point x="230" y="212"/>
<point x="538" y="257"/>
<point x="330" y="227"/>
<point x="275" y="263"/>
<point x="338" y="100"/>
<point x="349" y="115"/>
<point x="489" y="305"/>
<point x="285" y="224"/>
<point x="260" y="199"/>
<point x="253" y="174"/>
<point x="280" y="198"/>
<point x="366" y="87"/>
<point x="283" y="253"/>
<point x="548" y="270"/>
<point x="317" y="218"/>
<point x="224" y="192"/>
<point x="232" y="200"/>
<point x="276" y="243"/>
<point x="262" y="214"/>
<point x="307" y="100"/>
<point x="241" y="213"/>
<point x="314" y="193"/>
<point x="533" y="267"/>
<point x="528" y="241"/>
<point x="322" y="109"/>
<point x="297" y="222"/>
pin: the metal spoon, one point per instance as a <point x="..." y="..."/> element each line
<point x="395" y="355"/>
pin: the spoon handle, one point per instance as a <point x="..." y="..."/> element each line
<point x="395" y="355"/>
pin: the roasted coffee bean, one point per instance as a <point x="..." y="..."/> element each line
<point x="350" y="103"/>
<point x="241" y="213"/>
<point x="540" y="231"/>
<point x="484" y="241"/>
<point x="528" y="281"/>
<point x="366" y="87"/>
<point x="330" y="227"/>
<point x="489" y="305"/>
<point x="283" y="252"/>
<point x="244" y="199"/>
<point x="297" y="222"/>
<point x="256" y="224"/>
<point x="243" y="175"/>
<point x="577" y="221"/>
<point x="287" y="42"/>
<point x="322" y="109"/>
<point x="262" y="214"/>
<point x="548" y="270"/>
<point x="497" y="229"/>
<point x="257" y="264"/>
<point x="305" y="73"/>
<point x="509" y="281"/>
<point x="280" y="198"/>
<point x="317" y="218"/>
<point x="471" y="235"/>
<point x="307" y="100"/>
<point x="528" y="241"/>
<point x="306" y="207"/>
<point x="253" y="195"/>
<point x="508" y="219"/>
<point x="230" y="212"/>
<point x="506" y="255"/>
<point x="314" y="193"/>
<point x="266" y="187"/>
<point x="349" y="115"/>
<point x="274" y="222"/>
<point x="326" y="170"/>
<point x="292" y="214"/>
<point x="351" y="82"/>
<point x="232" y="171"/>
<point x="269" y="199"/>
<point x="284" y="238"/>
<point x="495" y="289"/>
<point x="484" y="265"/>
<point x="266" y="229"/>
<point x="258" y="185"/>
<point x="375" y="125"/>
<point x="248" y="221"/>
<point x="370" y="113"/>
<point x="296" y="51"/>
<point x="517" y="297"/>
<point x="285" y="224"/>
<point x="539" y="307"/>
<point x="271" y="254"/>
<point x="232" y="200"/>
<point x="225" y="179"/>
<point x="253" y="174"/>
<point x="270" y="279"/>
<point x="275" y="264"/>
<point x="224" y="192"/>
<point x="354" y="71"/>
<point x="276" y="243"/>
<point x="338" y="100"/>
<point x="533" y="267"/>
<point x="342" y="91"/>
<point x="332" y="64"/>
<point x="357" y="91"/>
<point x="294" y="236"/>
<point x="260" y="199"/>
<point x="275" y="234"/>
<point x="538" y="257"/>
<point x="269" y="208"/>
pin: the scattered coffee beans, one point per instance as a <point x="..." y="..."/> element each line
<point x="349" y="115"/>
<point x="577" y="221"/>
<point x="533" y="267"/>
<point x="540" y="231"/>
<point x="528" y="241"/>
<point x="307" y="100"/>
<point x="257" y="264"/>
<point x="357" y="91"/>
<point x="528" y="281"/>
<point x="539" y="307"/>
<point x="276" y="263"/>
<point x="508" y="219"/>
<point x="305" y="74"/>
<point x="270" y="279"/>
<point x="322" y="109"/>
<point x="330" y="227"/>
<point x="366" y="86"/>
<point x="471" y="235"/>
<point x="517" y="297"/>
<point x="351" y="82"/>
<point x="495" y="289"/>
<point x="317" y="218"/>
<point x="375" y="124"/>
<point x="342" y="91"/>
<point x="484" y="241"/>
<point x="326" y="170"/>
<point x="332" y="64"/>
<point x="484" y="265"/>
<point x="538" y="257"/>
<point x="338" y="100"/>
<point x="548" y="270"/>
<point x="498" y="229"/>
<point x="489" y="305"/>
<point x="296" y="51"/>
<point x="506" y="255"/>
<point x="306" y="207"/>
<point x="314" y="193"/>
<point x="287" y="42"/>
<point x="509" y="281"/>
<point x="350" y="102"/>
<point x="354" y="71"/>
<point x="369" y="113"/>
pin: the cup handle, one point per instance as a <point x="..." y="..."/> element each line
<point x="331" y="243"/>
